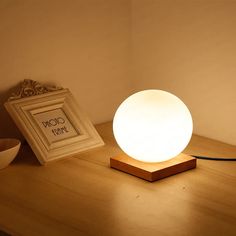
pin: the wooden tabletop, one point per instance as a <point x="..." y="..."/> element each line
<point x="81" y="195"/>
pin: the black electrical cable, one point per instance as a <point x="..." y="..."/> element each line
<point x="215" y="158"/>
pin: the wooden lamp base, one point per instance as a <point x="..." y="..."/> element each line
<point x="153" y="171"/>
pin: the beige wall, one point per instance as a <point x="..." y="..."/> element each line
<point x="83" y="45"/>
<point x="185" y="47"/>
<point x="189" y="48"/>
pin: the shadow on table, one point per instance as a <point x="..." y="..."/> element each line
<point x="2" y="233"/>
<point x="25" y="157"/>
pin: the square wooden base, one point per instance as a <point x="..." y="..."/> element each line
<point x="153" y="171"/>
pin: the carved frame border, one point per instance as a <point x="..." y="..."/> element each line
<point x="22" y="111"/>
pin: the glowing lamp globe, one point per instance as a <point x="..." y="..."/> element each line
<point x="152" y="126"/>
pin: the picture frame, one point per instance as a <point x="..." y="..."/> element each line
<point x="52" y="122"/>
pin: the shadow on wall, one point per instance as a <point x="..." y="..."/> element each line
<point x="8" y="128"/>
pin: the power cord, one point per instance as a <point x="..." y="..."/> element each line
<point x="215" y="158"/>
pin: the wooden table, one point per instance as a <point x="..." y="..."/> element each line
<point x="83" y="196"/>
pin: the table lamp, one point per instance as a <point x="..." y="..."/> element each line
<point x="152" y="127"/>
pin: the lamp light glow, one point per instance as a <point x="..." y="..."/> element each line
<point x="152" y="126"/>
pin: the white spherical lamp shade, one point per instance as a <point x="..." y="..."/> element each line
<point x="152" y="126"/>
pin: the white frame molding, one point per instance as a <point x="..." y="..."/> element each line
<point x="24" y="110"/>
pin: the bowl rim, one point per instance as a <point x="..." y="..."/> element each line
<point x="15" y="145"/>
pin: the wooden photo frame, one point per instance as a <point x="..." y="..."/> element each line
<point x="52" y="123"/>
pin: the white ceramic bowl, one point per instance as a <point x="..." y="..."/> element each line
<point x="9" y="148"/>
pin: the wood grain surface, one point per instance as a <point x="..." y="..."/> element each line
<point x="82" y="195"/>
